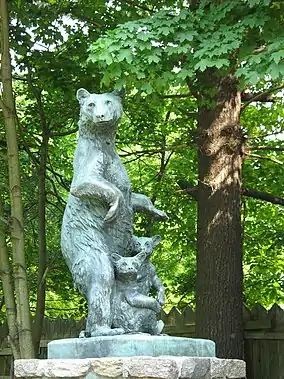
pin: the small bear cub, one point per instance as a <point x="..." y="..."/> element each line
<point x="133" y="311"/>
<point x="147" y="277"/>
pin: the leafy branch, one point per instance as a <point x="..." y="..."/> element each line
<point x="176" y="96"/>
<point x="188" y="189"/>
<point x="63" y="134"/>
<point x="245" y="96"/>
<point x="59" y="178"/>
<point x="258" y="156"/>
<point x="262" y="95"/>
<point x="261" y="136"/>
<point x="271" y="148"/>
<point x="136" y="5"/>
<point x="265" y="196"/>
<point x="156" y="151"/>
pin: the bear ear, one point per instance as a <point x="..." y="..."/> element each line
<point x="121" y="93"/>
<point x="115" y="257"/>
<point x="141" y="257"/>
<point x="82" y="94"/>
<point x="156" y="240"/>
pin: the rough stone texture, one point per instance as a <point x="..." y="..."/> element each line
<point x="195" y="368"/>
<point x="130" y="345"/>
<point x="150" y="367"/>
<point x="229" y="368"/>
<point x="107" y="367"/>
<point x="30" y="368"/>
<point x="163" y="367"/>
<point x="50" y="368"/>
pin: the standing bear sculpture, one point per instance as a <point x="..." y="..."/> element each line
<point x="98" y="219"/>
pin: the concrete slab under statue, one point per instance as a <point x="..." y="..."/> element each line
<point x="129" y="346"/>
<point x="111" y="268"/>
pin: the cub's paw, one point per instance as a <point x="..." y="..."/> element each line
<point x="84" y="334"/>
<point x="159" y="327"/>
<point x="158" y="307"/>
<point x="161" y="298"/>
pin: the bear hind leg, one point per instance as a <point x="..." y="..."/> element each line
<point x="99" y="312"/>
<point x="94" y="278"/>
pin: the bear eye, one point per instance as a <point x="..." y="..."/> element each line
<point x="91" y="104"/>
<point x="108" y="102"/>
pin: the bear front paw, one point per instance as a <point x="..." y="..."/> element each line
<point x="115" y="208"/>
<point x="160" y="215"/>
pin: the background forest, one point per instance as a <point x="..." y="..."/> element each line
<point x="56" y="49"/>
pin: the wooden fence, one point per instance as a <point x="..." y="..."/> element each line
<point x="264" y="338"/>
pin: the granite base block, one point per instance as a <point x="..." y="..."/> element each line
<point x="130" y="345"/>
<point x="163" y="367"/>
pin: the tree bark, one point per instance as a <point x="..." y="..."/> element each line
<point x="42" y="264"/>
<point x="42" y="260"/>
<point x="17" y="229"/>
<point x="7" y="282"/>
<point x="219" y="241"/>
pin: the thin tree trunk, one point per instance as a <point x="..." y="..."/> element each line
<point x="42" y="260"/>
<point x="219" y="243"/>
<point x="17" y="230"/>
<point x="42" y="264"/>
<point x="7" y="282"/>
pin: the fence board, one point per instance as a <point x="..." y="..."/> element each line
<point x="264" y="338"/>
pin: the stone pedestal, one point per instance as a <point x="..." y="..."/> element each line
<point x="163" y="367"/>
<point x="130" y="345"/>
<point x="131" y="356"/>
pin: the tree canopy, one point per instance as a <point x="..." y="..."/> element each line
<point x="175" y="44"/>
<point x="160" y="54"/>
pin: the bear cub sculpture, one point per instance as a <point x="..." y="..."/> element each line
<point x="133" y="311"/>
<point x="147" y="278"/>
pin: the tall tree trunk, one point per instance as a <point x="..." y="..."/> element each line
<point x="7" y="282"/>
<point x="42" y="264"/>
<point x="219" y="243"/>
<point x="42" y="254"/>
<point x="17" y="229"/>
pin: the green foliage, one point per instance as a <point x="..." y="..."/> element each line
<point x="241" y="38"/>
<point x="263" y="238"/>
<point x="263" y="260"/>
<point x="156" y="138"/>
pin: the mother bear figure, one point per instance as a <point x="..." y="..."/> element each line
<point x="98" y="219"/>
